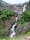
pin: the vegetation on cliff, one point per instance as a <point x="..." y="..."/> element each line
<point x="6" y="13"/>
<point x="25" y="21"/>
<point x="25" y="16"/>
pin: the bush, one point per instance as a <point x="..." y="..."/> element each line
<point x="6" y="13"/>
<point x="25" y="16"/>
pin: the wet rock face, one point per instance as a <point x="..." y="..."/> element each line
<point x="7" y="24"/>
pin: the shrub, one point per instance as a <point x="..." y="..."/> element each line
<point x="25" y="16"/>
<point x="6" y="13"/>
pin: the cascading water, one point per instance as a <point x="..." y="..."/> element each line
<point x="24" y="8"/>
<point x="13" y="28"/>
<point x="15" y="24"/>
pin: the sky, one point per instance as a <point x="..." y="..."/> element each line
<point x="15" y="1"/>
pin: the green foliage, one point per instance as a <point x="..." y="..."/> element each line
<point x="6" y="13"/>
<point x="25" y="16"/>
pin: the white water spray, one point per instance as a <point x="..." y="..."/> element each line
<point x="24" y="8"/>
<point x="13" y="27"/>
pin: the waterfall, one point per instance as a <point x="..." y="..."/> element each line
<point x="24" y="8"/>
<point x="13" y="33"/>
<point x="13" y="28"/>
